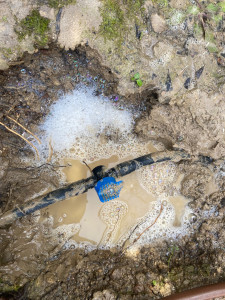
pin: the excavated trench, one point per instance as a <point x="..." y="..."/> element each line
<point x="165" y="231"/>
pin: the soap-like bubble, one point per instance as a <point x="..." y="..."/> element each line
<point x="158" y="179"/>
<point x="111" y="213"/>
<point x="192" y="218"/>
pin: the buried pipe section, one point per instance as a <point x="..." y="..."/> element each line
<point x="82" y="186"/>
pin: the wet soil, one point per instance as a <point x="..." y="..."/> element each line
<point x="27" y="90"/>
<point x="152" y="272"/>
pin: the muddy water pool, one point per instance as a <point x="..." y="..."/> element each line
<point x="84" y="127"/>
<point x="99" y="130"/>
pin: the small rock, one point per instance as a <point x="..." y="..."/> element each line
<point x="116" y="274"/>
<point x="105" y="295"/>
<point x="158" y="23"/>
<point x="165" y="290"/>
<point x="47" y="12"/>
<point x="55" y="81"/>
<point x="98" y="296"/>
<point x="179" y="4"/>
<point x="109" y="295"/>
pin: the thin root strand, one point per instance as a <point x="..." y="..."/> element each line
<point x="160" y="211"/>
<point x="6" y="127"/>
<point x="27" y="130"/>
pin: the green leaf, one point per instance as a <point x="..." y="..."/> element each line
<point x="154" y="282"/>
<point x="139" y="82"/>
<point x="135" y="77"/>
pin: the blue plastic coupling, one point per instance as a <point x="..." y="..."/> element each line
<point x="108" y="188"/>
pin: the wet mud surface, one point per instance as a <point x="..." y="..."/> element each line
<point x="27" y="91"/>
<point x="51" y="272"/>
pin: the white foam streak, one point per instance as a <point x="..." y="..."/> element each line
<point x="84" y="115"/>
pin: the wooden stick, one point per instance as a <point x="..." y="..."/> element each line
<point x="27" y="130"/>
<point x="21" y="138"/>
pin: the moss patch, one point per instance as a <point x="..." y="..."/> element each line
<point x="6" y="288"/>
<point x="36" y="25"/>
<point x="113" y="20"/>
<point x="211" y="42"/>
<point x="117" y="15"/>
<point x="161" y="3"/>
<point x="4" y="19"/>
<point x="7" y="52"/>
<point x="60" y="3"/>
<point x="134" y="8"/>
<point x="192" y="273"/>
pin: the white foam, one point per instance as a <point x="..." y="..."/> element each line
<point x="111" y="213"/>
<point x="82" y="115"/>
<point x="158" y="179"/>
<point x="86" y="127"/>
<point x="64" y="232"/>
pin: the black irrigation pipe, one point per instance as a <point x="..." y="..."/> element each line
<point x="81" y="186"/>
